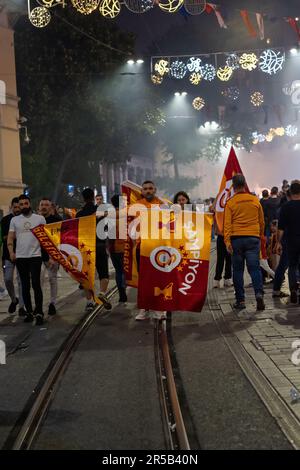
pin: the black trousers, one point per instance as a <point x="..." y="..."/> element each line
<point x="30" y="269"/>
<point x="294" y="263"/>
<point x="222" y="257"/>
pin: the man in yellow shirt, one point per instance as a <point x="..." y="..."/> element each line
<point x="243" y="227"/>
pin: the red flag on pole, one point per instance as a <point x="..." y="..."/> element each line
<point x="226" y="191"/>
<point x="248" y="24"/>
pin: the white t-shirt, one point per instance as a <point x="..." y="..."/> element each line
<point x="28" y="245"/>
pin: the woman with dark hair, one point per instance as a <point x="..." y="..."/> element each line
<point x="181" y="198"/>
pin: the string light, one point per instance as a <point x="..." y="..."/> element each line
<point x="271" y="61"/>
<point x="194" y="64"/>
<point x="291" y="130"/>
<point x="170" y="6"/>
<point x="225" y="73"/>
<point x="139" y="6"/>
<point x="231" y="93"/>
<point x="40" y="17"/>
<point x="248" y="61"/>
<point x="195" y="7"/>
<point x="195" y="78"/>
<point x="233" y="61"/>
<point x="178" y="69"/>
<point x="156" y="79"/>
<point x="208" y="72"/>
<point x="198" y="103"/>
<point x="257" y="99"/>
<point x="85" y="7"/>
<point x="110" y="8"/>
<point x="162" y="67"/>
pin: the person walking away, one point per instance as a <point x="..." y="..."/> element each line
<point x="116" y="251"/>
<point x="28" y="257"/>
<point x="51" y="266"/>
<point x="264" y="204"/>
<point x="8" y="265"/>
<point x="272" y="208"/>
<point x="289" y="225"/>
<point x="243" y="228"/>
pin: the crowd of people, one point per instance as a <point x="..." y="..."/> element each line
<point x="264" y="234"/>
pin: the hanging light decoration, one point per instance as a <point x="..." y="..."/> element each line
<point x="40" y="17"/>
<point x="170" y="6"/>
<point x="208" y="72"/>
<point x="178" y="69"/>
<point x="85" y="7"/>
<point x="195" y="78"/>
<point x="271" y="61"/>
<point x="225" y="73"/>
<point x="291" y="130"/>
<point x="257" y="99"/>
<point x="156" y="79"/>
<point x="248" y="61"/>
<point x="110" y="8"/>
<point x="233" y="61"/>
<point x="198" y="103"/>
<point x="194" y="64"/>
<point x="195" y="7"/>
<point x="232" y="93"/>
<point x="162" y="67"/>
<point x="139" y="6"/>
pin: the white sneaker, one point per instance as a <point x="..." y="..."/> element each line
<point x="216" y="285"/>
<point x="227" y="283"/>
<point x="143" y="315"/>
<point x="159" y="315"/>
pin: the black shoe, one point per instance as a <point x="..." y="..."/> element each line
<point x="294" y="297"/>
<point x="13" y="306"/>
<point x="28" y="318"/>
<point x="22" y="312"/>
<point x="123" y="296"/>
<point x="239" y="306"/>
<point x="39" y="319"/>
<point x="260" y="305"/>
<point x="51" y="310"/>
<point x="106" y="303"/>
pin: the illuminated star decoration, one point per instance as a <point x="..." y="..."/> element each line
<point x="170" y="6"/>
<point x="86" y="7"/>
<point x="194" y="64"/>
<point x="139" y="6"/>
<point x="110" y="8"/>
<point x="178" y="69"/>
<point x="271" y="61"/>
<point x="195" y="7"/>
<point x="195" y="78"/>
<point x="40" y="17"/>
<point x="257" y="99"/>
<point x="291" y="130"/>
<point x="198" y="103"/>
<point x="156" y="79"/>
<point x="248" y="61"/>
<point x="208" y="72"/>
<point x="233" y="61"/>
<point x="231" y="93"/>
<point x="225" y="73"/>
<point x="162" y="67"/>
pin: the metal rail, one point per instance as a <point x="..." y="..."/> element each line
<point x="22" y="435"/>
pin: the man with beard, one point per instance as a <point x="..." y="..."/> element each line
<point x="46" y="210"/>
<point x="28" y="257"/>
<point x="8" y="265"/>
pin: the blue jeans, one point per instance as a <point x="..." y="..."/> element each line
<point x="117" y="261"/>
<point x="281" y="268"/>
<point x="246" y="249"/>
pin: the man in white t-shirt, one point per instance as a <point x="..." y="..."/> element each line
<point x="28" y="257"/>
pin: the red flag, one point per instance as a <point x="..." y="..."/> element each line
<point x="174" y="266"/>
<point x="248" y="24"/>
<point x="294" y="25"/>
<point x="226" y="191"/>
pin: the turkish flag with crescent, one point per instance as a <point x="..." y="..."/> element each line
<point x="174" y="265"/>
<point x="226" y="191"/>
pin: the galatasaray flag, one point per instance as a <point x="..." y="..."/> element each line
<point x="132" y="192"/>
<point x="72" y="243"/>
<point x="226" y="191"/>
<point x="173" y="270"/>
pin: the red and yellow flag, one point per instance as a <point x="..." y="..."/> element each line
<point x="132" y="192"/>
<point x="174" y="268"/>
<point x="70" y="212"/>
<point x="226" y="191"/>
<point x="72" y="243"/>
